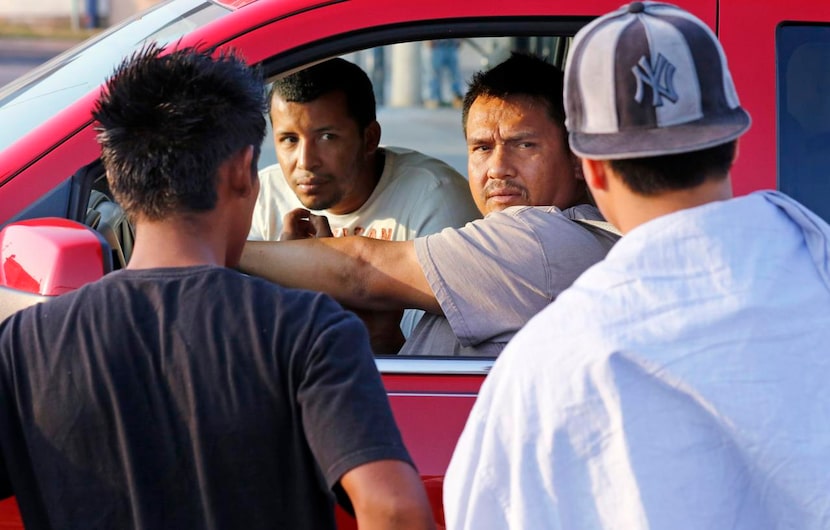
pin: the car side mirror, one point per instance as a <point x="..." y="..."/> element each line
<point x="41" y="258"/>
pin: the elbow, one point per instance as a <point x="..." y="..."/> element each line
<point x="388" y="494"/>
<point x="360" y="280"/>
<point x="396" y="512"/>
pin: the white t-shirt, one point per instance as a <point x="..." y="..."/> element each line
<point x="680" y="383"/>
<point x="415" y="196"/>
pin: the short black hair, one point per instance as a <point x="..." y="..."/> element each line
<point x="652" y="175"/>
<point x="329" y="76"/>
<point x="166" y="121"/>
<point x="520" y="75"/>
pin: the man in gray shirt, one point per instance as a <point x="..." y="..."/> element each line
<point x="480" y="283"/>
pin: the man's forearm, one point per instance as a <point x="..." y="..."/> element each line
<point x="307" y="264"/>
<point x="357" y="271"/>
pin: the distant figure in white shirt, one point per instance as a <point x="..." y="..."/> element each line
<point x="682" y="382"/>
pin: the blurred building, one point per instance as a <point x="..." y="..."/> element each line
<point x="106" y="12"/>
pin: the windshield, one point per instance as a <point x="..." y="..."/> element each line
<point x="40" y="94"/>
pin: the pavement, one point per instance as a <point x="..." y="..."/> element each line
<point x="33" y="46"/>
<point x="18" y="55"/>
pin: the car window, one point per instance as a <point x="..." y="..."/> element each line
<point x="803" y="57"/>
<point x="413" y="110"/>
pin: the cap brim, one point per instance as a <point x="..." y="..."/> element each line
<point x="659" y="141"/>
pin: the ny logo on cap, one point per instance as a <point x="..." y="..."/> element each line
<point x="660" y="78"/>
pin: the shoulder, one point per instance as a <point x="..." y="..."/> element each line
<point x="48" y="314"/>
<point x="272" y="183"/>
<point x="499" y="223"/>
<point x="583" y="211"/>
<point x="566" y="222"/>
<point x="271" y="172"/>
<point x="312" y="310"/>
<point x="531" y="217"/>
<point x="506" y="228"/>
<point x="550" y="214"/>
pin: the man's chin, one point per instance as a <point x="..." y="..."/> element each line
<point x="315" y="203"/>
<point x="500" y="203"/>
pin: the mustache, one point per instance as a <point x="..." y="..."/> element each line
<point x="498" y="187"/>
<point x="306" y="177"/>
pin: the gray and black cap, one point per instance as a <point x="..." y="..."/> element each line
<point x="649" y="79"/>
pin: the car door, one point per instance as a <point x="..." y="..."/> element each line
<point x="779" y="54"/>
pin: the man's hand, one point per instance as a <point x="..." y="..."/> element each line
<point x="299" y="223"/>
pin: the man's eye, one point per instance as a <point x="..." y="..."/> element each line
<point x="288" y="140"/>
<point x="479" y="148"/>
<point x="526" y="145"/>
<point x="328" y="136"/>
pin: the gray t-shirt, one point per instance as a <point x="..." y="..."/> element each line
<point x="491" y="276"/>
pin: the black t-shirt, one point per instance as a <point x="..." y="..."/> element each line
<point x="187" y="398"/>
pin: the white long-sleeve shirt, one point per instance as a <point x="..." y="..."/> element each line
<point x="681" y="383"/>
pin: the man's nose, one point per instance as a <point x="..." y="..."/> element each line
<point x="499" y="164"/>
<point x="307" y="158"/>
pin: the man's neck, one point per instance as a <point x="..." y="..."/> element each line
<point x="380" y="163"/>
<point x="175" y="243"/>
<point x="637" y="209"/>
<point x="357" y="200"/>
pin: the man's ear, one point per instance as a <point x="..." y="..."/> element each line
<point x="240" y="176"/>
<point x="595" y="173"/>
<point x="371" y="137"/>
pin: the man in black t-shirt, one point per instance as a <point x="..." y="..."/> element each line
<point x="179" y="393"/>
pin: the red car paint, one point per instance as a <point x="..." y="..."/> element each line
<point x="50" y="256"/>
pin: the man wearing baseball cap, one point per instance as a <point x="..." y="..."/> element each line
<point x="682" y="382"/>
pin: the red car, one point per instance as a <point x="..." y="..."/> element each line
<point x="778" y="52"/>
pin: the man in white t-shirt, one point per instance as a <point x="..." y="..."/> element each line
<point x="330" y="164"/>
<point x="333" y="178"/>
<point x="682" y="382"/>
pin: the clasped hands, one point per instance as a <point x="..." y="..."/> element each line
<point x="300" y="223"/>
<point x="383" y="326"/>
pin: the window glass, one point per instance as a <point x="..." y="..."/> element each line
<point x="39" y="95"/>
<point x="803" y="58"/>
<point x="421" y="111"/>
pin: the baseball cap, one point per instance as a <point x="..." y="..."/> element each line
<point x="649" y="79"/>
